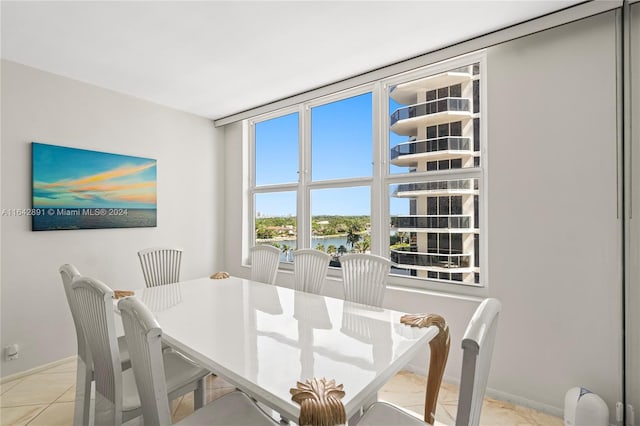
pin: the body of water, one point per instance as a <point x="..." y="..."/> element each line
<point x="326" y="241"/>
<point x="64" y="218"/>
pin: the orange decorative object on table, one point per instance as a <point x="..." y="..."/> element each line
<point x="219" y="275"/>
<point x="119" y="294"/>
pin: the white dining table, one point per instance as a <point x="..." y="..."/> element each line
<point x="263" y="338"/>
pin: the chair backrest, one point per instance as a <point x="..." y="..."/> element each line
<point x="143" y="335"/>
<point x="160" y="265"/>
<point x="68" y="273"/>
<point x="310" y="268"/>
<point x="264" y="263"/>
<point x="94" y="302"/>
<point x="477" y="351"/>
<point x="365" y="278"/>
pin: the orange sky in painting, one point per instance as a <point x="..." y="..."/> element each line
<point x="111" y="174"/>
<point x="140" y="198"/>
<point x="113" y="187"/>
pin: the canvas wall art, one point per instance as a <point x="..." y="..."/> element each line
<point x="82" y="189"/>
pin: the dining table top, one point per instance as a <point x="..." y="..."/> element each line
<point x="264" y="339"/>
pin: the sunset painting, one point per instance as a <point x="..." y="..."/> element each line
<point x="81" y="189"/>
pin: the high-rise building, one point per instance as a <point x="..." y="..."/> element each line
<point x="440" y="115"/>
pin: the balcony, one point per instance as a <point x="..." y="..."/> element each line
<point x="405" y="93"/>
<point x="407" y="153"/>
<point x="437" y="188"/>
<point x="405" y="120"/>
<point x="432" y="261"/>
<point x="431" y="223"/>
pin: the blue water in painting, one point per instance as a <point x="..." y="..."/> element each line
<point x="64" y="218"/>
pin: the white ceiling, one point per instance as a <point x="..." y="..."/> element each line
<point x="215" y="58"/>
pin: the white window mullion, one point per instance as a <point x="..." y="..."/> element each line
<point x="248" y="161"/>
<point x="340" y="183"/>
<point x="304" y="178"/>
<point x="379" y="214"/>
<point x="275" y="188"/>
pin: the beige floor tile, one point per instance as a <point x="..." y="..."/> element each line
<point x="415" y="410"/>
<point x="175" y="403"/>
<point x="407" y="391"/>
<point x="59" y="413"/>
<point x="538" y="418"/>
<point x="6" y="386"/>
<point x="67" y="367"/>
<point x="443" y="416"/>
<point x="404" y="389"/>
<point x="217" y="387"/>
<point x="69" y="395"/>
<point x="183" y="408"/>
<point x="216" y="382"/>
<point x="46" y="398"/>
<point x="498" y="413"/>
<point x="10" y="416"/>
<point x="448" y="394"/>
<point x="37" y="389"/>
<point x="447" y="411"/>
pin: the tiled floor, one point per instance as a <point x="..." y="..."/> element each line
<point x="46" y="398"/>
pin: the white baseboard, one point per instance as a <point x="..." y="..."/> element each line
<point x="538" y="406"/>
<point x="496" y="394"/>
<point x="36" y="369"/>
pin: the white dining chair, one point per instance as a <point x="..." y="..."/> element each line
<point x="264" y="263"/>
<point x="364" y="277"/>
<point x="84" y="369"/>
<point x="144" y="336"/>
<point x="116" y="396"/>
<point x="160" y="265"/>
<point x="310" y="269"/>
<point x="477" y="351"/>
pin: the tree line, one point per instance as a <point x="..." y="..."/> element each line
<point x="323" y="225"/>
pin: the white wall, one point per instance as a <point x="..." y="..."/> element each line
<point x="554" y="235"/>
<point x="38" y="106"/>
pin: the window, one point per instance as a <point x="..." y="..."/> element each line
<point x="326" y="202"/>
<point x="341" y="138"/>
<point x="341" y="170"/>
<point x="275" y="221"/>
<point x="392" y="168"/>
<point x="275" y="152"/>
<point x="434" y="132"/>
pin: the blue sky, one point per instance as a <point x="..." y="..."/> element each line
<point x="341" y="147"/>
<point x="69" y="177"/>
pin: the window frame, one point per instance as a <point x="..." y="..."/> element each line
<point x="381" y="178"/>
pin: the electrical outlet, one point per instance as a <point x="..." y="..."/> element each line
<point x="11" y="352"/>
<point x="619" y="412"/>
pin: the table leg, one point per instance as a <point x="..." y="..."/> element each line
<point x="437" y="362"/>
<point x="439" y="346"/>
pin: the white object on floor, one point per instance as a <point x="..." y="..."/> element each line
<point x="584" y="408"/>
